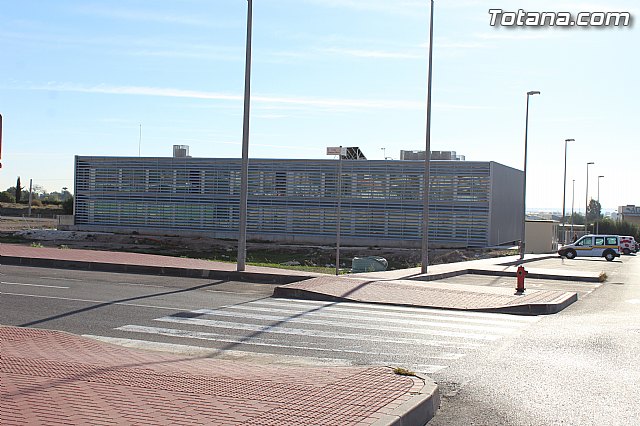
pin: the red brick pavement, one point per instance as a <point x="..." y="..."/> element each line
<point x="133" y="259"/>
<point x="425" y="294"/>
<point x="50" y="377"/>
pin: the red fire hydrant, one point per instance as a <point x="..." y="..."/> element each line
<point x="520" y="274"/>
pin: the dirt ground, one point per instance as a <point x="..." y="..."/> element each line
<point x="43" y="232"/>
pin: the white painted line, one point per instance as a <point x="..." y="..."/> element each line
<point x="62" y="279"/>
<point x="634" y="301"/>
<point x="415" y="320"/>
<point x="390" y="310"/>
<point x="98" y="302"/>
<point x="142" y="285"/>
<point x="318" y="333"/>
<point x="199" y="351"/>
<point x="33" y="285"/>
<point x="251" y="293"/>
<point x="352" y="324"/>
<point x="172" y="332"/>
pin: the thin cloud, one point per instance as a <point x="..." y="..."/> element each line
<point x="398" y="7"/>
<point x="461" y="45"/>
<point x="377" y="54"/>
<point x="325" y="103"/>
<point x="142" y="16"/>
<point x="512" y="35"/>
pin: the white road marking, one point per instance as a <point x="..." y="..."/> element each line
<point x="634" y="301"/>
<point x="415" y="320"/>
<point x="61" y="279"/>
<point x="222" y="354"/>
<point x="352" y="324"/>
<point x="98" y="302"/>
<point x="171" y="332"/>
<point x="252" y="293"/>
<point x="33" y="285"/>
<point x="318" y="333"/>
<point x="394" y="310"/>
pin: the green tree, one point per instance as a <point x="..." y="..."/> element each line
<point x="578" y="219"/>
<point x="608" y="226"/>
<point x="7" y="197"/>
<point x="18" y="190"/>
<point x="67" y="205"/>
<point x="594" y="211"/>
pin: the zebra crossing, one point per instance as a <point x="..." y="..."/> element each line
<point x="424" y="340"/>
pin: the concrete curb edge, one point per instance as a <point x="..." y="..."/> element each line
<point x="524" y="309"/>
<point x="418" y="410"/>
<point x="261" y="277"/>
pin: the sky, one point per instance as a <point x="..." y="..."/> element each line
<point x="135" y="77"/>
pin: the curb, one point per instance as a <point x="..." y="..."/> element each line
<point x="525" y="309"/>
<point x="535" y="275"/>
<point x="418" y="410"/>
<point x="260" y="277"/>
<point x="498" y="273"/>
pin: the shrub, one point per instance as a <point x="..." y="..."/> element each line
<point x="36" y="203"/>
<point x="7" y="197"/>
<point x="67" y="206"/>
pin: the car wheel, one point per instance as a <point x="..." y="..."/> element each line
<point x="609" y="256"/>
<point x="626" y="251"/>
<point x="570" y="254"/>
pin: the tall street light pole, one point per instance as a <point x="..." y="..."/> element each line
<point x="598" y="221"/>
<point x="586" y="198"/>
<point x="573" y="194"/>
<point x="244" y="175"/>
<point x="524" y="179"/>
<point x="427" y="157"/>
<point x="599" y="177"/>
<point x="564" y="190"/>
<point x="0" y="140"/>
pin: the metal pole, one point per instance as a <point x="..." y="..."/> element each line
<point x="30" y="195"/>
<point x="0" y="140"/>
<point x="598" y="221"/>
<point x="586" y="200"/>
<point x="244" y="176"/>
<point x="573" y="193"/>
<point x="564" y="191"/>
<point x="427" y="157"/>
<point x="339" y="212"/>
<point x="524" y="177"/>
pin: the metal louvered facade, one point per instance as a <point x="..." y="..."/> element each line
<point x="296" y="200"/>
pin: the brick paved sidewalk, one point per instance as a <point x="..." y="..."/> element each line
<point x="113" y="261"/>
<point x="432" y="294"/>
<point x="50" y="377"/>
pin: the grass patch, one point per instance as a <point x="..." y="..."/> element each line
<point x="34" y="244"/>
<point x="403" y="372"/>
<point x="12" y="239"/>
<point x="317" y="269"/>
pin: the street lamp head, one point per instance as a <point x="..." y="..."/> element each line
<point x="533" y="92"/>
<point x="569" y="140"/>
<point x="601" y="176"/>
<point x="590" y="162"/>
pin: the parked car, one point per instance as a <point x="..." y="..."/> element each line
<point x="628" y="244"/>
<point x="607" y="246"/>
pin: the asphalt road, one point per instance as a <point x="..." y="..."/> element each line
<point x="240" y="320"/>
<point x="84" y="302"/>
<point x="578" y="367"/>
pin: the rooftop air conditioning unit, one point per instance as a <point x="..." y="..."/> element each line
<point x="181" y="151"/>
